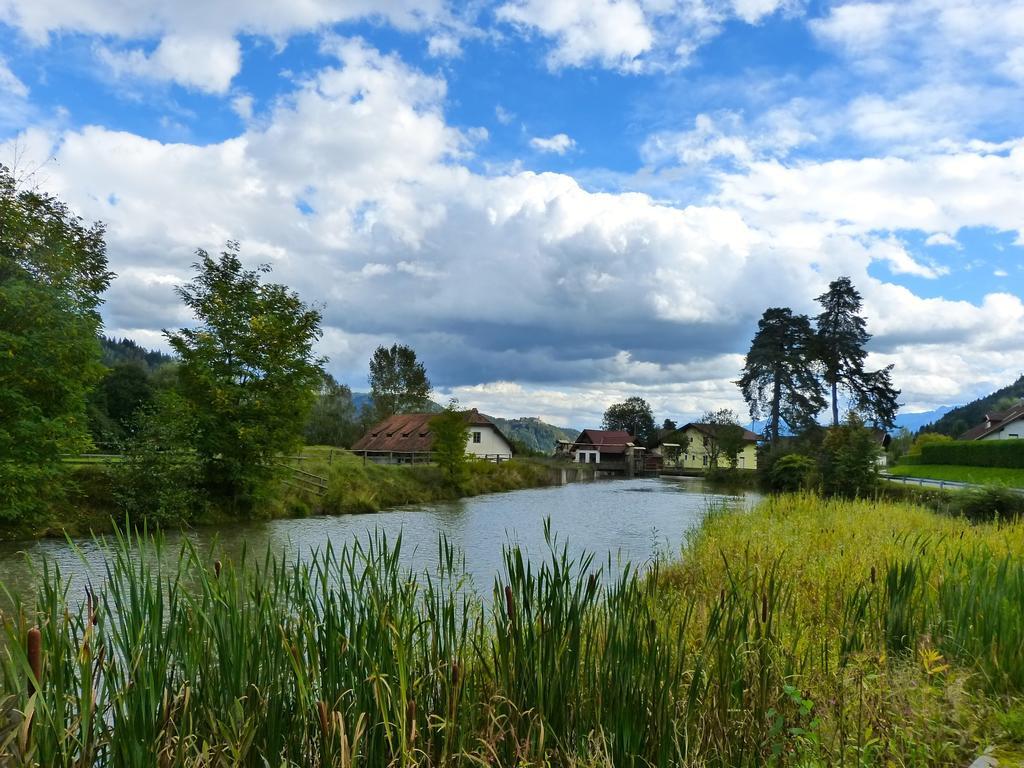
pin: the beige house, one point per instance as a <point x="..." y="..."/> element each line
<point x="694" y="447"/>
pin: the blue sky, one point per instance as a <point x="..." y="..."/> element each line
<point x="559" y="204"/>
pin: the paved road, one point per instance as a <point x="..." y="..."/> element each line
<point x="941" y="484"/>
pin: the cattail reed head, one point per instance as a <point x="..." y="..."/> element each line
<point x="411" y="719"/>
<point x="216" y="568"/>
<point x="764" y="609"/>
<point x="35" y="658"/>
<point x="455" y="674"/>
<point x="721" y="598"/>
<point x="592" y="583"/>
<point x="510" y="605"/>
<point x="874" y="575"/>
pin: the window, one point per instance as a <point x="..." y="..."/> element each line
<point x="476" y="437"/>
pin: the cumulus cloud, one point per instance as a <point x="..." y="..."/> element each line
<point x="632" y="35"/>
<point x="558" y="144"/>
<point x="198" y="44"/>
<point x="10" y="83"/>
<point x="360" y="194"/>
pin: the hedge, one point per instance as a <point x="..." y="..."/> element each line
<point x="976" y="453"/>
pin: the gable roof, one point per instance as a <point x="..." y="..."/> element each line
<point x="606" y="440"/>
<point x="411" y="433"/>
<point x="711" y="430"/>
<point x="994" y="422"/>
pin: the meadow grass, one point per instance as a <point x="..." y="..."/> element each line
<point x="1013" y="478"/>
<point x="803" y="633"/>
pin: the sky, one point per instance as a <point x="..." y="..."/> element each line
<point x="558" y="203"/>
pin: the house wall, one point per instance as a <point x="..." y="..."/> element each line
<point x="587" y="456"/>
<point x="1012" y="431"/>
<point x="491" y="442"/>
<point x="696" y="456"/>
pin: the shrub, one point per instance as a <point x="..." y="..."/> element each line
<point x="848" y="460"/>
<point x="985" y="504"/>
<point x="975" y="453"/>
<point x="792" y="472"/>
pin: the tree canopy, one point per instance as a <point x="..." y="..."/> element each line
<point x="779" y="377"/>
<point x="449" y="448"/>
<point x="398" y="381"/>
<point x="633" y="416"/>
<point x="247" y="370"/>
<point x="53" y="272"/>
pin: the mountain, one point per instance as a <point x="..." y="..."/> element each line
<point x="127" y="351"/>
<point x="534" y="433"/>
<point x="958" y="420"/>
<point x="915" y="421"/>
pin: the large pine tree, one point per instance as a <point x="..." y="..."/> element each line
<point x="779" y="378"/>
<point x="841" y="341"/>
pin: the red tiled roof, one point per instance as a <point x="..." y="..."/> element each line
<point x="607" y="440"/>
<point x="410" y="432"/>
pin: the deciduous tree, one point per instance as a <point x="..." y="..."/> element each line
<point x="398" y="381"/>
<point x="53" y="272"/>
<point x="247" y="369"/>
<point x="450" y="435"/>
<point x="633" y="416"/>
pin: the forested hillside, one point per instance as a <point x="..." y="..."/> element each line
<point x="960" y="419"/>
<point x="533" y="433"/>
<point x="127" y="351"/>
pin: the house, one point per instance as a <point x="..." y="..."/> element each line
<point x="693" y="446"/>
<point x="999" y="425"/>
<point x="406" y="437"/>
<point x="605" y="446"/>
<point x="883" y="440"/>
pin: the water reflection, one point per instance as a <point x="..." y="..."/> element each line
<point x="629" y="520"/>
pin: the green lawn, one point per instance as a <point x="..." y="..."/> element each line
<point x="980" y="475"/>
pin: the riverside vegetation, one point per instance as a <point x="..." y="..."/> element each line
<point x="804" y="633"/>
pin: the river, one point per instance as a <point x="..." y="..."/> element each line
<point x="632" y="521"/>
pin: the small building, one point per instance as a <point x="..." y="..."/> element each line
<point x="406" y="437"/>
<point x="999" y="425"/>
<point x="693" y="446"/>
<point x="595" y="446"/>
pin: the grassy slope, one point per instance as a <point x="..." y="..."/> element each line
<point x="824" y="554"/>
<point x="357" y="487"/>
<point x="979" y="475"/>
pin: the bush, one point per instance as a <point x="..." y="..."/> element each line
<point x="792" y="472"/>
<point x="982" y="505"/>
<point x="975" y="453"/>
<point x="848" y="460"/>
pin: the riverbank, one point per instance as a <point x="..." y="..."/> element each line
<point x="1011" y="478"/>
<point x="803" y="633"/>
<point x="89" y="504"/>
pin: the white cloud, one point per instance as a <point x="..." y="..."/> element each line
<point x="941" y="238"/>
<point x="558" y="144"/>
<point x="503" y="116"/>
<point x="582" y="297"/>
<point x="207" y="63"/>
<point x="632" y="35"/>
<point x="197" y="38"/>
<point x="242" y="104"/>
<point x="10" y="83"/>
<point x="444" y="46"/>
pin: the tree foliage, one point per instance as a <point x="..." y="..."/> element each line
<point x="333" y="419"/>
<point x="848" y="460"/>
<point x="841" y="339"/>
<point x="724" y="438"/>
<point x="449" y="449"/>
<point x="247" y="370"/>
<point x="398" y="381"/>
<point x="633" y="416"/>
<point x="53" y="272"/>
<point x="779" y="377"/>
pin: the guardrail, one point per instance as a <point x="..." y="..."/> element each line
<point x="925" y="482"/>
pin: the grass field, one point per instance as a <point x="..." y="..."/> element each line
<point x="805" y="633"/>
<point x="1013" y="478"/>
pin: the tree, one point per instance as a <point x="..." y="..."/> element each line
<point x="450" y="435"/>
<point x="398" y="381"/>
<point x="724" y="437"/>
<point x="633" y="416"/>
<point x="779" y="378"/>
<point x="841" y="339"/>
<point x="332" y="420"/>
<point x="125" y="389"/>
<point x="669" y="425"/>
<point x="247" y="370"/>
<point x="849" y="459"/>
<point x="53" y="272"/>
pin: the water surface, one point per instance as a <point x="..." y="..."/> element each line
<point x="632" y="521"/>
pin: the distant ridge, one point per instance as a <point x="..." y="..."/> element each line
<point x="534" y="433"/>
<point x="128" y="351"/>
<point x="959" y="420"/>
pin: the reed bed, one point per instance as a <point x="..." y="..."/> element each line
<point x="802" y="633"/>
